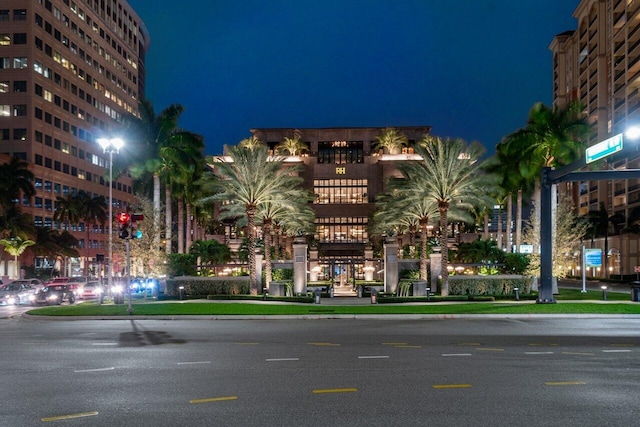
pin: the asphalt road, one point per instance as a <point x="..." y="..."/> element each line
<point x="462" y="372"/>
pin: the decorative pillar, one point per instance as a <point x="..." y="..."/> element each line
<point x="259" y="272"/>
<point x="435" y="264"/>
<point x="369" y="267"/>
<point x="314" y="266"/>
<point x="391" y="266"/>
<point x="299" y="266"/>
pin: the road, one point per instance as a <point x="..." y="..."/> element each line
<point x="461" y="372"/>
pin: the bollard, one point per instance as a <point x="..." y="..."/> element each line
<point x="316" y="294"/>
<point x="374" y="296"/>
<point x="181" y="290"/>
<point x="516" y="291"/>
<point x="604" y="292"/>
<point x="331" y="292"/>
<point x="265" y="294"/>
<point x="428" y="290"/>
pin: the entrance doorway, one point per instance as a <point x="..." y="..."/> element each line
<point x="343" y="272"/>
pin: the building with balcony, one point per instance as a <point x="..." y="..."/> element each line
<point x="69" y="70"/>
<point x="598" y="64"/>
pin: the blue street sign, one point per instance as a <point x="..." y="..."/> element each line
<point x="593" y="258"/>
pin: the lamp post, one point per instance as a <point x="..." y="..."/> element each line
<point x="110" y="145"/>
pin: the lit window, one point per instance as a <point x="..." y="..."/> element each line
<point x="20" y="62"/>
<point x="5" y="39"/>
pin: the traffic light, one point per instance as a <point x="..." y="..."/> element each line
<point x="136" y="233"/>
<point x="125" y="221"/>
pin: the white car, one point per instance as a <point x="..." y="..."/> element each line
<point x="17" y="293"/>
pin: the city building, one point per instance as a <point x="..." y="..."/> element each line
<point x="69" y="71"/>
<point x="345" y="171"/>
<point x="598" y="64"/>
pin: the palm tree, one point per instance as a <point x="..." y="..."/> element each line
<point x="450" y="174"/>
<point x="291" y="146"/>
<point x="153" y="132"/>
<point x="391" y="139"/>
<point x="252" y="178"/>
<point x="403" y="207"/>
<point x="251" y="143"/>
<point x="93" y="211"/>
<point x="16" y="246"/>
<point x="52" y="244"/>
<point x="15" y="178"/>
<point x="553" y="137"/>
<point x="599" y="221"/>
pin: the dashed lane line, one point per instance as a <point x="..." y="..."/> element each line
<point x="449" y="386"/>
<point x="456" y="354"/>
<point x="283" y="359"/>
<point x="202" y="362"/>
<point x="561" y="383"/>
<point x="335" y="390"/>
<point x="373" y="357"/>
<point x="78" y="371"/>
<point x="213" y="399"/>
<point x="70" y="416"/>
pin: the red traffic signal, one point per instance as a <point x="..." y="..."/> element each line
<point x="123" y="218"/>
<point x="137" y="217"/>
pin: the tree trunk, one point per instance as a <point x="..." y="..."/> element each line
<point x="156" y="210"/>
<point x="189" y="228"/>
<point x="251" y="230"/>
<point x="266" y="230"/>
<point x="519" y="220"/>
<point x="443" y="208"/>
<point x="509" y="222"/>
<point x="536" y="206"/>
<point x="168" y="221"/>
<point x="423" y="250"/>
<point x="485" y="231"/>
<point x="499" y="227"/>
<point x="180" y="226"/>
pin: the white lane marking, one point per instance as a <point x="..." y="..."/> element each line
<point x="455" y="354"/>
<point x="283" y="359"/>
<point x="616" y="351"/>
<point x="104" y="343"/>
<point x="538" y="352"/>
<point x="94" y="370"/>
<point x="194" y="363"/>
<point x="373" y="357"/>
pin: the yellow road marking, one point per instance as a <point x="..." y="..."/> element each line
<point x="394" y="343"/>
<point x="622" y="345"/>
<point x="564" y="383"/>
<point x="443" y="386"/>
<point x="408" y="346"/>
<point x="325" y="344"/>
<point x="214" y="399"/>
<point x="68" y="417"/>
<point x="335" y="390"/>
<point x="489" y="349"/>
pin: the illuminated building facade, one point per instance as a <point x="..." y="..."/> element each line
<point x="69" y="70"/>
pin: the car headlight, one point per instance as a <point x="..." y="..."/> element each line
<point x="11" y="300"/>
<point x="32" y="297"/>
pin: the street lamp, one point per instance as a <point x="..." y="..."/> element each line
<point x="110" y="145"/>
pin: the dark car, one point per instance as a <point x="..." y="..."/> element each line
<point x="54" y="294"/>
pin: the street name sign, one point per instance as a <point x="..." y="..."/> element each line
<point x="604" y="148"/>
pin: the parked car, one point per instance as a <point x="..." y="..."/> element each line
<point x="35" y="283"/>
<point x="91" y="290"/>
<point x="54" y="294"/>
<point x="17" y="293"/>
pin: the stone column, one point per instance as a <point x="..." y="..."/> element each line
<point x="369" y="267"/>
<point x="259" y="272"/>
<point x="314" y="265"/>
<point x="391" y="267"/>
<point x="299" y="266"/>
<point x="435" y="264"/>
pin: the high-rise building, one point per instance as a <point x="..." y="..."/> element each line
<point x="69" y="71"/>
<point x="599" y="65"/>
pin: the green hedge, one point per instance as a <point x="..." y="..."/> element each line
<point x="489" y="285"/>
<point x="201" y="287"/>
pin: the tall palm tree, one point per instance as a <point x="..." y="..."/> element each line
<point x="93" y="211"/>
<point x="152" y="132"/>
<point x="553" y="137"/>
<point x="252" y="178"/>
<point x="599" y="222"/>
<point x="391" y="139"/>
<point x="450" y="174"/>
<point x="251" y="143"/>
<point x="405" y="206"/>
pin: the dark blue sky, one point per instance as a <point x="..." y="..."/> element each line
<point x="467" y="68"/>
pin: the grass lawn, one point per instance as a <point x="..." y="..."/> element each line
<point x="569" y="302"/>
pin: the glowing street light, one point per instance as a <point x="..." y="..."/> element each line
<point x="110" y="145"/>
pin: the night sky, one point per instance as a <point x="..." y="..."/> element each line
<point x="468" y="68"/>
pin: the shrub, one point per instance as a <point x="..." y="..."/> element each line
<point x="201" y="287"/>
<point x="489" y="285"/>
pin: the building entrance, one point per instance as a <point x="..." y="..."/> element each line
<point x="343" y="272"/>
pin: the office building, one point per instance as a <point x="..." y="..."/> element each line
<point x="69" y="71"/>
